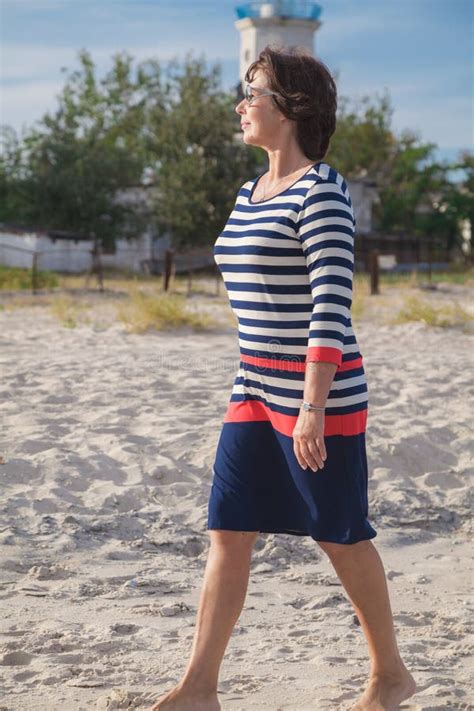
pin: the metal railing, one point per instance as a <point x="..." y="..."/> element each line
<point x="297" y="9"/>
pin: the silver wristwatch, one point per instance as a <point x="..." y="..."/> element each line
<point x="308" y="406"/>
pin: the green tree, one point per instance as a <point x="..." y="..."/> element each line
<point x="66" y="172"/>
<point x="417" y="196"/>
<point x="201" y="165"/>
<point x="179" y="126"/>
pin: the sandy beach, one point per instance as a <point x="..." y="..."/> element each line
<point x="107" y="447"/>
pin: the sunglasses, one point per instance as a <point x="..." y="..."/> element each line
<point x="250" y="97"/>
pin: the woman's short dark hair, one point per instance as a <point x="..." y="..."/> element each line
<point x="307" y="94"/>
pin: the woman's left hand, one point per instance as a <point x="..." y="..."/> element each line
<point x="308" y="439"/>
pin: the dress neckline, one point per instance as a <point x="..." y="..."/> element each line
<point x="252" y="190"/>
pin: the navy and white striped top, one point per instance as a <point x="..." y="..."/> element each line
<point x="287" y="264"/>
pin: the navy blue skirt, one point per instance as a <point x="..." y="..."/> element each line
<point x="259" y="485"/>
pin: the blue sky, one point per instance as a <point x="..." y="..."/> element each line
<point x="421" y="51"/>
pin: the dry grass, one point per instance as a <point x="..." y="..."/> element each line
<point x="360" y="292"/>
<point x="16" y="279"/>
<point x="201" y="284"/>
<point x="140" y="303"/>
<point x="446" y="316"/>
<point x="456" y="274"/>
<point x="68" y="311"/>
<point x="145" y="311"/>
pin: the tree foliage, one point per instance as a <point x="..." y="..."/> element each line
<point x="174" y="133"/>
<point x="417" y="194"/>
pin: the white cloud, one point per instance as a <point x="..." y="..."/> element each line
<point x="445" y="123"/>
<point x="35" y="5"/>
<point x="32" y="77"/>
<point x="26" y="61"/>
<point x="20" y="62"/>
<point x="38" y="61"/>
<point x="24" y="104"/>
<point x="338" y="29"/>
<point x="418" y="101"/>
<point x="356" y="23"/>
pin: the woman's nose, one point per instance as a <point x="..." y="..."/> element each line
<point x="240" y="106"/>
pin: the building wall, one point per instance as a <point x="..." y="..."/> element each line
<point x="130" y="255"/>
<point x="363" y="197"/>
<point x="17" y="250"/>
<point x="65" y="255"/>
<point x="256" y="33"/>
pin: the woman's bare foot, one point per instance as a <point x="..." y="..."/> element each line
<point x="384" y="692"/>
<point x="182" y="699"/>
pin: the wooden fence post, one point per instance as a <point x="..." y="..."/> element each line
<point x="34" y="273"/>
<point x="190" y="281"/>
<point x="430" y="259"/>
<point x="100" y="272"/>
<point x="374" y="271"/>
<point x="168" y="268"/>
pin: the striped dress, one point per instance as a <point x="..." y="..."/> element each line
<point x="287" y="263"/>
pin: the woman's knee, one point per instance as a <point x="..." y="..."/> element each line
<point x="340" y="549"/>
<point x="227" y="538"/>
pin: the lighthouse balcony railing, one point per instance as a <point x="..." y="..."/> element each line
<point x="297" y="9"/>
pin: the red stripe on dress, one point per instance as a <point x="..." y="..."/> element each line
<point x="294" y="365"/>
<point x="254" y="410"/>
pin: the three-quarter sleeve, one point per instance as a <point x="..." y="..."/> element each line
<point x="325" y="228"/>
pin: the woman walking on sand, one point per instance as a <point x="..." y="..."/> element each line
<point x="291" y="456"/>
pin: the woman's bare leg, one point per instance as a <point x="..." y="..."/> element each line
<point x="361" y="572"/>
<point x="222" y="597"/>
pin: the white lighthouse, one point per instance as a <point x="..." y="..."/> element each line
<point x="282" y="22"/>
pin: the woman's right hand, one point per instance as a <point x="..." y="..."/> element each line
<point x="308" y="439"/>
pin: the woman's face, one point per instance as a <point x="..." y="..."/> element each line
<point x="261" y="121"/>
